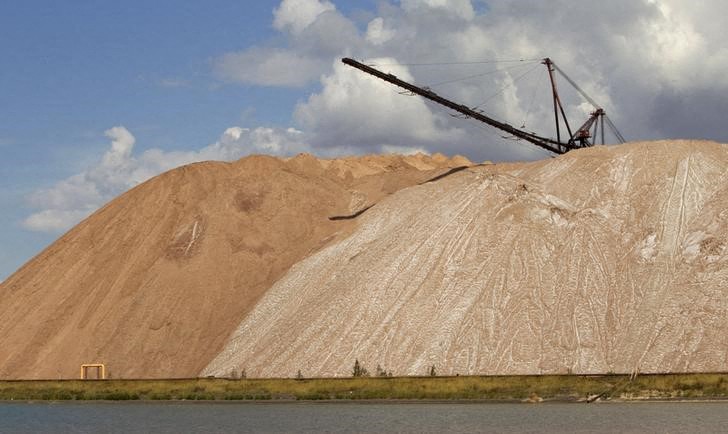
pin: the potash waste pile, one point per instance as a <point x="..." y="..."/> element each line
<point x="153" y="284"/>
<point x="606" y="259"/>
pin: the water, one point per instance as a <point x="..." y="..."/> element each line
<point x="106" y="417"/>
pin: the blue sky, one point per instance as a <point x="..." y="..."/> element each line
<point x="72" y="72"/>
<point x="78" y="69"/>
<point x="98" y="96"/>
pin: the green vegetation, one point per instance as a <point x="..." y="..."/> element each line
<point x="497" y="388"/>
<point x="381" y="372"/>
<point x="359" y="370"/>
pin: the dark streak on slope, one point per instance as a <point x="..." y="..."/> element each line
<point x="351" y="216"/>
<point x="448" y="173"/>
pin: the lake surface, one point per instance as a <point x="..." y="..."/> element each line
<point x="138" y="417"/>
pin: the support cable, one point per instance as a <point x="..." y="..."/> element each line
<point x="478" y="62"/>
<point x="479" y="75"/>
<point x="576" y="86"/>
<point x="530" y="106"/>
<point x="511" y="84"/>
<point x="614" y="129"/>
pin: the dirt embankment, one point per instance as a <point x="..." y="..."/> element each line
<point x="153" y="284"/>
<point x="603" y="259"/>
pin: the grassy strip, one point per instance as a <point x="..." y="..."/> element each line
<point x="547" y="387"/>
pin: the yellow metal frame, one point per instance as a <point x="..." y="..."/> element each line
<point x="100" y="369"/>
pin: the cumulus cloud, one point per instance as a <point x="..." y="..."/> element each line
<point x="277" y="67"/>
<point x="644" y="61"/>
<point x="315" y="32"/>
<point x="359" y="111"/>
<point x="377" y="33"/>
<point x="55" y="221"/>
<point x="296" y="15"/>
<point x="119" y="169"/>
<point x="461" y="8"/>
<point x="122" y="143"/>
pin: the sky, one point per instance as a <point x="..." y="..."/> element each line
<point x="99" y="96"/>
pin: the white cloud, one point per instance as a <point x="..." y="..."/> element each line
<point x="77" y="192"/>
<point x="55" y="220"/>
<point x="122" y="143"/>
<point x="377" y="33"/>
<point x="296" y="15"/>
<point x="72" y="199"/>
<point x="328" y="36"/>
<point x="354" y="109"/>
<point x="461" y="8"/>
<point x="274" y="67"/>
<point x="642" y="60"/>
<point x="315" y="32"/>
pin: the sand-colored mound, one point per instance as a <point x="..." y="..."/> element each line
<point x="154" y="283"/>
<point x="604" y="259"/>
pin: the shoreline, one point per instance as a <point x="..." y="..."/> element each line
<point x="463" y="389"/>
<point x="369" y="401"/>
